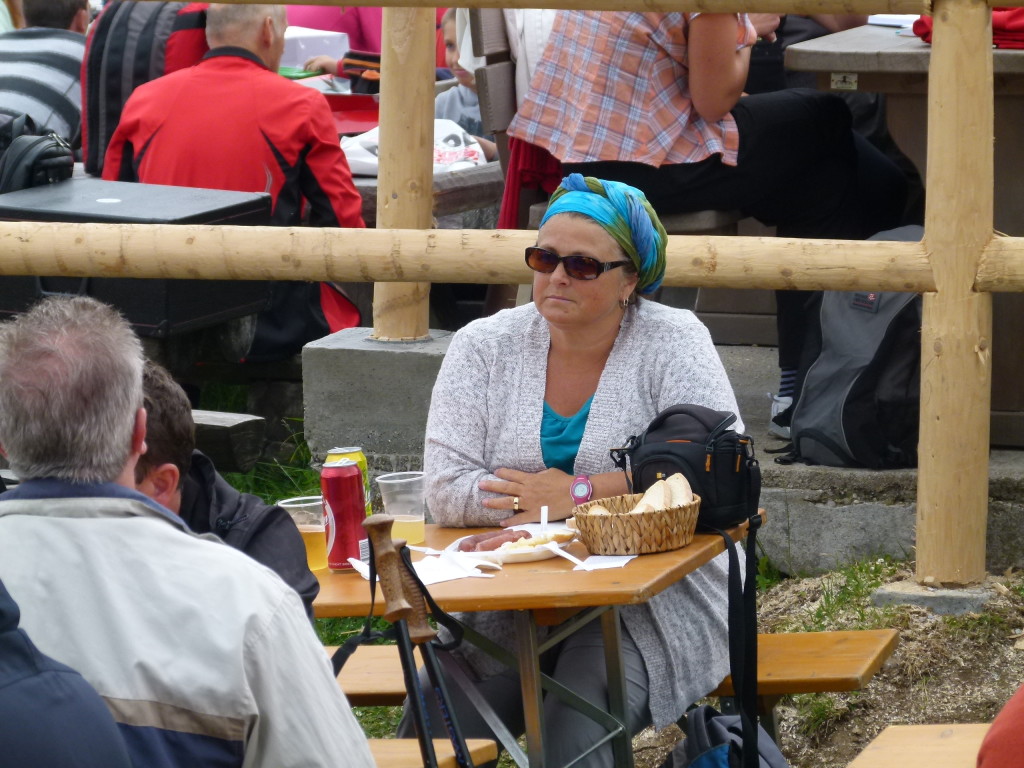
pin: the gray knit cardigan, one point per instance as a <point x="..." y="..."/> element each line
<point x="485" y="413"/>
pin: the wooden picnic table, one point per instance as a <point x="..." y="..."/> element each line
<point x="454" y="191"/>
<point x="541" y="593"/>
<point x="877" y="60"/>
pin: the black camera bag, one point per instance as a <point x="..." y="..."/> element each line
<point x="718" y="463"/>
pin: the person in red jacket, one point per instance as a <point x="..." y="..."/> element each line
<point x="1003" y="745"/>
<point x="231" y="122"/>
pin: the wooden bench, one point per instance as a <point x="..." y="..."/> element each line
<point x="924" y="746"/>
<point x="405" y="753"/>
<point x="788" y="662"/>
<point x="814" y="662"/>
<point x="373" y="676"/>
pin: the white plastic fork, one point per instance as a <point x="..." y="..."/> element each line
<point x="553" y="546"/>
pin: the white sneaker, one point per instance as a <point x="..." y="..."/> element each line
<point x="778" y="424"/>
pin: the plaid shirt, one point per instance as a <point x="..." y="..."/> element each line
<point x="613" y="86"/>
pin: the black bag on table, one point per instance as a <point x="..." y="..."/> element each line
<point x="31" y="161"/>
<point x="718" y="463"/>
<point x="720" y="466"/>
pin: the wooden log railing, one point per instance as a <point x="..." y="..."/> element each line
<point x="957" y="264"/>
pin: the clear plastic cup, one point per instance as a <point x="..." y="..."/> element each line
<point x="402" y="494"/>
<point x="308" y="514"/>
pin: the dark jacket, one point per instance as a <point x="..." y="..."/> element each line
<point x="49" y="715"/>
<point x="265" y="533"/>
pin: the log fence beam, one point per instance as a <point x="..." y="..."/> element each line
<point x="405" y="183"/>
<point x="434" y="255"/>
<point x="956" y="360"/>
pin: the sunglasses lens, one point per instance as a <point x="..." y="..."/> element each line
<point x="540" y="260"/>
<point x="582" y="267"/>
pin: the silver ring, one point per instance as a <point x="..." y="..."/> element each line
<point x="515" y="503"/>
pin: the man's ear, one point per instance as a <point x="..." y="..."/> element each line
<point x="139" y="432"/>
<point x="268" y="32"/>
<point x="161" y="485"/>
<point x="80" y="23"/>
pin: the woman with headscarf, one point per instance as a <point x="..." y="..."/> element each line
<point x="526" y="406"/>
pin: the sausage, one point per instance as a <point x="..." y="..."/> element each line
<point x="469" y="543"/>
<point x="492" y="543"/>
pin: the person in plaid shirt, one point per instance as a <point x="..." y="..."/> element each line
<point x="656" y="100"/>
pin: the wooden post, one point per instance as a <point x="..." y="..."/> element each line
<point x="405" y="181"/>
<point x="956" y="370"/>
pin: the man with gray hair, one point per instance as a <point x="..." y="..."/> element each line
<point x="231" y="122"/>
<point x="203" y="656"/>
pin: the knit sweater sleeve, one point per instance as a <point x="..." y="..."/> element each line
<point x="457" y="435"/>
<point x="688" y="367"/>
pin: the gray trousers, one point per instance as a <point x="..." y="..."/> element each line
<point x="577" y="663"/>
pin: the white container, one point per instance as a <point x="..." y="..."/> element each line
<point x="301" y="44"/>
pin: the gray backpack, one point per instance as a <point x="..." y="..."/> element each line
<point x="860" y="397"/>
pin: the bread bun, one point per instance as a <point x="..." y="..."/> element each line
<point x="597" y="509"/>
<point x="657" y="496"/>
<point x="679" y="489"/>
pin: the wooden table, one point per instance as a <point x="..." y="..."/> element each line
<point x="876" y="59"/>
<point x="544" y="593"/>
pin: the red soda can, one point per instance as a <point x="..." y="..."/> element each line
<point x="344" y="511"/>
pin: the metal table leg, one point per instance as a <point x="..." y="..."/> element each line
<point x="611" y="631"/>
<point x="529" y="676"/>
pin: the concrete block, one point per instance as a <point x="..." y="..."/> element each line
<point x="808" y="532"/>
<point x="949" y="602"/>
<point x="359" y="391"/>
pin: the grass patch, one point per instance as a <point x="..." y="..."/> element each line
<point x="820" y="713"/>
<point x="843" y="601"/>
<point x="230" y="398"/>
<point x="378" y="722"/>
<point x="276" y="480"/>
<point x="768" y="574"/>
<point x="987" y="627"/>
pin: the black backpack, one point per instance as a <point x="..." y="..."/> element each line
<point x="13" y="126"/>
<point x="860" y="399"/>
<point x="860" y="382"/>
<point x="131" y="43"/>
<point x="31" y="161"/>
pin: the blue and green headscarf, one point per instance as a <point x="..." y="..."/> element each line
<point x="623" y="211"/>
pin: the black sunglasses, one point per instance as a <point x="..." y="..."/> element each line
<point x="577" y="267"/>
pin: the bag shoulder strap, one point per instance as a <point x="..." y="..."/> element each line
<point x="743" y="637"/>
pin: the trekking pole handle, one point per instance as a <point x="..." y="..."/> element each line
<point x="389" y="567"/>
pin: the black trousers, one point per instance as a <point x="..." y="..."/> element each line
<point x="801" y="168"/>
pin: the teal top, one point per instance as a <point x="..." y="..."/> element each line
<point x="560" y="437"/>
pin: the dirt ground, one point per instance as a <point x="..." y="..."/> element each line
<point x="946" y="669"/>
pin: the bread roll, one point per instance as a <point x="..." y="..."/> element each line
<point x="679" y="489"/>
<point x="597" y="509"/>
<point x="657" y="496"/>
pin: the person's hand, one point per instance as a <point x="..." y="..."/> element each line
<point x="322" y="63"/>
<point x="765" y="24"/>
<point x="533" y="489"/>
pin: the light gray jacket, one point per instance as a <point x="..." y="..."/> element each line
<point x="486" y="413"/>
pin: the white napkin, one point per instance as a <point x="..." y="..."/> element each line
<point x="599" y="562"/>
<point x="433" y="570"/>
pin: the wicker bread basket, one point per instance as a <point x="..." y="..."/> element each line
<point x="622" y="533"/>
